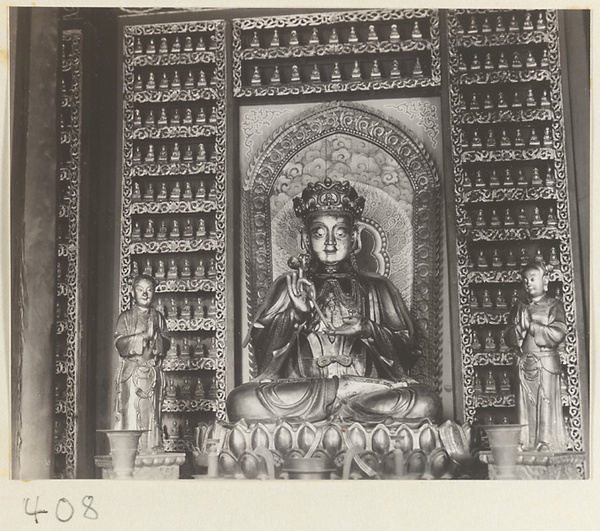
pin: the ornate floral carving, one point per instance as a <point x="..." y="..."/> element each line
<point x="254" y="123"/>
<point x="370" y="127"/>
<point x="424" y="113"/>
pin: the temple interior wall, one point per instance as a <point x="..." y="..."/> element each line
<point x="34" y="187"/>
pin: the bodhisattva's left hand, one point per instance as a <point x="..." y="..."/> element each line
<point x="353" y="326"/>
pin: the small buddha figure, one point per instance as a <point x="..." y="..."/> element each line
<point x="150" y="154"/>
<point x="173" y="309"/>
<point x="212" y="192"/>
<point x="505" y="386"/>
<point x="550" y="181"/>
<point x="539" y="257"/>
<point x="187" y="192"/>
<point x="188" y="431"/>
<point x="160" y="274"/>
<point x="336" y="75"/>
<point x="293" y="38"/>
<point x="149" y="232"/>
<point x="200" y="308"/>
<point x="474" y="104"/>
<point x="372" y="35"/>
<point x="394" y="34"/>
<point x="476" y="344"/>
<point x="211" y="311"/>
<point x="500" y="28"/>
<point x="489" y="344"/>
<point x="511" y="261"/>
<point x="394" y="71"/>
<point x="137" y="154"/>
<point x="187" y="117"/>
<point x="138" y="84"/>
<point x="172" y="273"/>
<point x="558" y="293"/>
<point x="162" y="231"/>
<point x="200" y="272"/>
<point x="479" y="183"/>
<point x="494" y="181"/>
<point x="496" y="261"/>
<point x="334" y="38"/>
<point x="544" y="60"/>
<point x="188" y="229"/>
<point x="185" y="348"/>
<point x="519" y="141"/>
<point x="508" y="178"/>
<point x="201" y="232"/>
<point x="553" y="258"/>
<point x="473" y="302"/>
<point x="162" y="154"/>
<point x="151" y="83"/>
<point x="502" y="64"/>
<point x="201" y="155"/>
<point x="352" y="38"/>
<point x="487" y="64"/>
<point x="530" y="61"/>
<point x="500" y="300"/>
<point x="186" y="389"/>
<point x="524" y="257"/>
<point x="502" y="346"/>
<point x="175" y="154"/>
<point x="137" y="119"/>
<point x="175" y="192"/>
<point x="275" y="39"/>
<point x="495" y="219"/>
<point x="482" y="262"/>
<point x="174" y="431"/>
<point x="417" y="70"/>
<point x="487" y="105"/>
<point x="202" y="80"/>
<point x="212" y="389"/>
<point x="187" y="45"/>
<point x="136" y="232"/>
<point x="375" y="72"/>
<point x="134" y="268"/>
<point x="490" y="141"/>
<point x="256" y="80"/>
<point x="174" y="234"/>
<point x="476" y="140"/>
<point x="472" y="29"/>
<point x="188" y="156"/>
<point x="521" y="180"/>
<point x="163" y="84"/>
<point x="201" y="116"/>
<point x="477" y="384"/>
<point x="490" y="383"/>
<point x="544" y="101"/>
<point x="142" y="341"/>
<point x="537" y="328"/>
<point x="480" y="220"/>
<point x="163" y="46"/>
<point x="176" y="48"/>
<point x="513" y="24"/>
<point x="462" y="66"/>
<point x="486" y="300"/>
<point x="522" y="218"/>
<point x="199" y="390"/>
<point x="508" y="219"/>
<point x="547" y="138"/>
<point x="541" y="23"/>
<point x="186" y="270"/>
<point x="486" y="28"/>
<point x="211" y="269"/>
<point x="537" y="218"/>
<point x="189" y="82"/>
<point x="162" y="193"/>
<point x="475" y="63"/>
<point x="516" y="100"/>
<point x="254" y="42"/>
<point x="171" y="388"/>
<point x="505" y="139"/>
<point x="536" y="180"/>
<point x="313" y="360"/>
<point x="186" y="309"/>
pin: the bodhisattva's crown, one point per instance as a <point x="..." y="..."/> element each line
<point x="329" y="196"/>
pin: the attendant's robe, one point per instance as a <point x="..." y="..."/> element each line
<point x="139" y="379"/>
<point x="538" y="366"/>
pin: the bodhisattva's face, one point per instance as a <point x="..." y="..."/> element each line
<point x="535" y="283"/>
<point x="144" y="293"/>
<point x="331" y="237"/>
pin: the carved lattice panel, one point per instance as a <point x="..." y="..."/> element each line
<point x="336" y="52"/>
<point x="67" y="262"/>
<point x="508" y="149"/>
<point x="173" y="205"/>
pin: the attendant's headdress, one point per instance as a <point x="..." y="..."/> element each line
<point x="329" y="196"/>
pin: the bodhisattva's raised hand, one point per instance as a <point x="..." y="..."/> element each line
<point x="299" y="289"/>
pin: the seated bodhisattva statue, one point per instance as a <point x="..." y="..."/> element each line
<point x="331" y="341"/>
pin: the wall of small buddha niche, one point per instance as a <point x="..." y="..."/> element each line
<point x="375" y="174"/>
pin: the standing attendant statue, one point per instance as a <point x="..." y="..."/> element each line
<point x="142" y="342"/>
<point x="536" y="329"/>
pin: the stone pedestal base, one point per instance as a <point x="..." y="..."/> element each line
<point x="150" y="466"/>
<point x="542" y="465"/>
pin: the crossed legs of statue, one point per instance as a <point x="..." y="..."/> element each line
<point x="347" y="398"/>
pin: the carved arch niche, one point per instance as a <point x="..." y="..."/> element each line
<point x="400" y="232"/>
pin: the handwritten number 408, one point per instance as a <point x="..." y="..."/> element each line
<point x="64" y="510"/>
